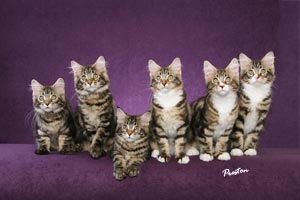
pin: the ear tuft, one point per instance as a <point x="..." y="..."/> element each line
<point x="121" y="116"/>
<point x="145" y="118"/>
<point x="209" y="70"/>
<point x="59" y="86"/>
<point x="100" y="64"/>
<point x="76" y="68"/>
<point x="153" y="67"/>
<point x="36" y="87"/>
<point x="176" y="65"/>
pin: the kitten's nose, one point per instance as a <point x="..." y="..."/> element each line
<point x="89" y="81"/>
<point x="221" y="85"/>
<point x="164" y="82"/>
<point x="47" y="102"/>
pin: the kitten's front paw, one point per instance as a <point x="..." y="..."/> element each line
<point x="224" y="156"/>
<point x="96" y="152"/>
<point x="206" y="157"/>
<point x="192" y="152"/>
<point x="251" y="152"/>
<point x="155" y="153"/>
<point x="236" y="152"/>
<point x="65" y="151"/>
<point x="133" y="171"/>
<point x="163" y="158"/>
<point x="41" y="151"/>
<point x="184" y="160"/>
<point x="119" y="175"/>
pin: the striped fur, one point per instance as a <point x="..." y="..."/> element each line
<point x="255" y="99"/>
<point x="53" y="123"/>
<point x="169" y="126"/>
<point x="213" y="115"/>
<point x="95" y="114"/>
<point x="131" y="145"/>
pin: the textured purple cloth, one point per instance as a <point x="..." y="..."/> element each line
<point x="39" y="38"/>
<point x="274" y="174"/>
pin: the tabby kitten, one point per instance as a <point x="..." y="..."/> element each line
<point x="95" y="114"/>
<point x="255" y="99"/>
<point x="169" y="125"/>
<point x="131" y="145"/>
<point x="53" y="123"/>
<point x="214" y="114"/>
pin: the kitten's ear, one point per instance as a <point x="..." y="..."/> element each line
<point x="245" y="61"/>
<point x="145" y="118"/>
<point x="59" y="86"/>
<point x="268" y="60"/>
<point x="153" y="67"/>
<point x="36" y="87"/>
<point x="121" y="116"/>
<point x="76" y="68"/>
<point x="100" y="64"/>
<point x="176" y="65"/>
<point x="233" y="68"/>
<point x="209" y="70"/>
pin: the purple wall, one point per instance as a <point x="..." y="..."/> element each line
<point x="39" y="38"/>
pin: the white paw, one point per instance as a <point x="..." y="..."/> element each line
<point x="251" y="152"/>
<point x="206" y="157"/>
<point x="224" y="156"/>
<point x="184" y="160"/>
<point x="192" y="152"/>
<point x="161" y="159"/>
<point x="236" y="152"/>
<point x="154" y="153"/>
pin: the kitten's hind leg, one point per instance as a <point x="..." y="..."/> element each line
<point x="43" y="145"/>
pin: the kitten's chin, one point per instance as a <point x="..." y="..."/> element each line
<point x="223" y="92"/>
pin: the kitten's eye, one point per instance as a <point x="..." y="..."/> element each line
<point x="251" y="73"/>
<point x="227" y="80"/>
<point x="53" y="97"/>
<point x="124" y="127"/>
<point x="263" y="71"/>
<point x="83" y="77"/>
<point x="41" y="98"/>
<point x="170" y="77"/>
<point x="157" y="77"/>
<point x="215" y="80"/>
<point x="96" y="76"/>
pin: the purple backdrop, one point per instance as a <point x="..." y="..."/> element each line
<point x="39" y="38"/>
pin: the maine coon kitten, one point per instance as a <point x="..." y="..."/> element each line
<point x="255" y="99"/>
<point x="131" y="145"/>
<point x="53" y="123"/>
<point x="213" y="115"/>
<point x="95" y="114"/>
<point x="169" y="125"/>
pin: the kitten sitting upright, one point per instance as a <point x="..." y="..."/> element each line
<point x="53" y="123"/>
<point x="255" y="99"/>
<point x="169" y="126"/>
<point x="214" y="114"/>
<point x="131" y="144"/>
<point x="95" y="114"/>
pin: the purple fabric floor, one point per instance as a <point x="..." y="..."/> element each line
<point x="274" y="174"/>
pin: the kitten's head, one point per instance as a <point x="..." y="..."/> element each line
<point x="132" y="127"/>
<point x="90" y="78"/>
<point x="257" y="72"/>
<point x="222" y="81"/>
<point x="48" y="98"/>
<point x="165" y="78"/>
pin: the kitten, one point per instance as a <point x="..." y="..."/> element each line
<point x="169" y="125"/>
<point x="214" y="114"/>
<point x="131" y="145"/>
<point x="53" y="123"/>
<point x="255" y="99"/>
<point x="95" y="114"/>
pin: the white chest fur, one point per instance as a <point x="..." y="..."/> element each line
<point x="168" y="99"/>
<point x="256" y="94"/>
<point x="224" y="105"/>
